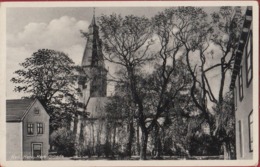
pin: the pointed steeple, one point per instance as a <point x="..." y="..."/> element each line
<point x="93" y="55"/>
<point x="93" y="61"/>
<point x="93" y="22"/>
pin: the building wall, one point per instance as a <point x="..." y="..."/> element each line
<point x="95" y="133"/>
<point x="14" y="141"/>
<point x="95" y="127"/>
<point x="243" y="109"/>
<point x="31" y="117"/>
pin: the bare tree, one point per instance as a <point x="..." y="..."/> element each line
<point x="126" y="42"/>
<point x="197" y="35"/>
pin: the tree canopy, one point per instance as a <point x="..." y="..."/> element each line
<point x="50" y="76"/>
<point x="186" y="46"/>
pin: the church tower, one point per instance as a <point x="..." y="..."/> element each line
<point x="93" y="64"/>
<point x="91" y="130"/>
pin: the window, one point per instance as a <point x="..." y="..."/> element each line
<point x="39" y="128"/>
<point x="240" y="84"/>
<point x="235" y="98"/>
<point x="250" y="125"/>
<point x="240" y="138"/>
<point x="36" y="111"/>
<point x="248" y="54"/>
<point x="30" y="128"/>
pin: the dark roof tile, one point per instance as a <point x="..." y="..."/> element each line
<point x="16" y="109"/>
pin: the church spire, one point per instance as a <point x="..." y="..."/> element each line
<point x="92" y="55"/>
<point x="93" y="61"/>
<point x="93" y="22"/>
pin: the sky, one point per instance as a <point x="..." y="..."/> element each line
<point x="58" y="28"/>
<point x="30" y="29"/>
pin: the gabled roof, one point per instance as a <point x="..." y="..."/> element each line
<point x="96" y="107"/>
<point x="16" y="109"/>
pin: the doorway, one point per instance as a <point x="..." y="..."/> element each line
<point x="37" y="151"/>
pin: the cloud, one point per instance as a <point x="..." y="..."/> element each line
<point x="61" y="34"/>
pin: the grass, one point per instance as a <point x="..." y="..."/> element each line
<point x="95" y="158"/>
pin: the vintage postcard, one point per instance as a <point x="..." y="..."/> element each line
<point x="146" y="83"/>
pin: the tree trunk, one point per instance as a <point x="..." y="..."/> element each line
<point x="114" y="138"/>
<point x="75" y="123"/>
<point x="77" y="134"/>
<point x="144" y="144"/>
<point x="222" y="81"/>
<point x="107" y="148"/>
<point x="130" y="139"/>
<point x="158" y="148"/>
<point x="138" y="140"/>
<point x="227" y="151"/>
<point x="81" y="140"/>
<point x="93" y="138"/>
<point x="114" y="142"/>
<point x="157" y="143"/>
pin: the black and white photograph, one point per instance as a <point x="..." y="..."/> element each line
<point x="161" y="82"/>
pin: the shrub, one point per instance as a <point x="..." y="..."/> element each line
<point x="64" y="142"/>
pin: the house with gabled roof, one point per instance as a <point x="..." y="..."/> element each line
<point x="27" y="130"/>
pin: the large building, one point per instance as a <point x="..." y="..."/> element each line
<point x="242" y="87"/>
<point x="27" y="128"/>
<point x="93" y="90"/>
